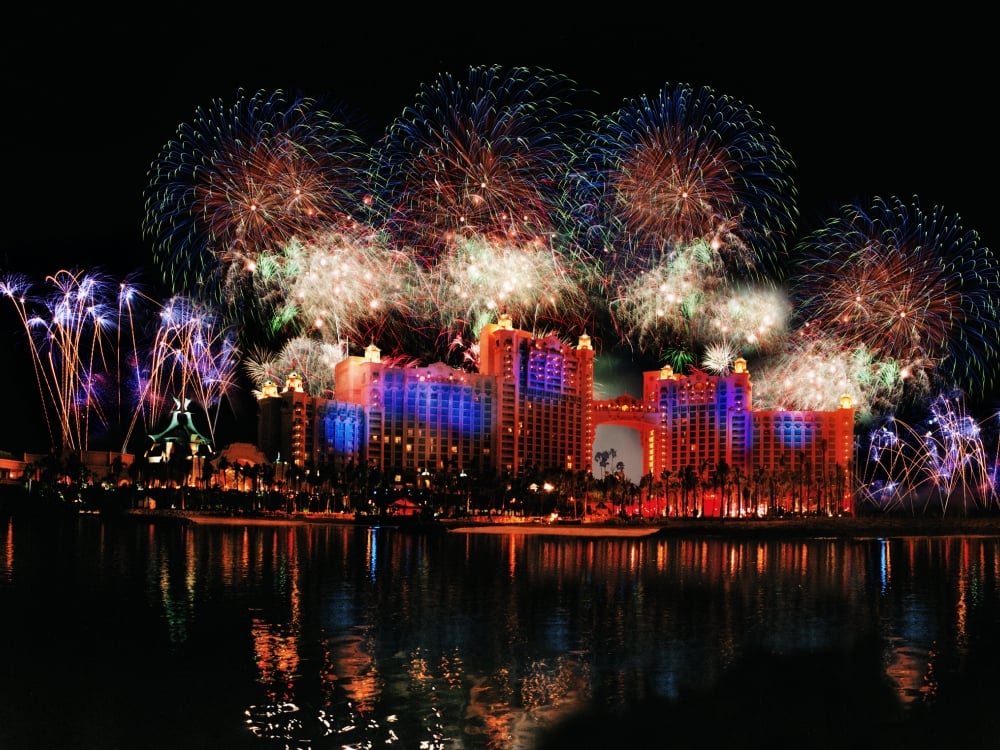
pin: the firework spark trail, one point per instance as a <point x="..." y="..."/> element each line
<point x="129" y="295"/>
<point x="481" y="156"/>
<point x="314" y="360"/>
<point x="940" y="460"/>
<point x="245" y="179"/>
<point x="16" y="287"/>
<point x="689" y="165"/>
<point x="686" y="301"/>
<point x="915" y="288"/>
<point x="193" y="358"/>
<point x="477" y="279"/>
<point x="352" y="286"/>
<point x="75" y="357"/>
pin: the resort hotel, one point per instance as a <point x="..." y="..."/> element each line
<point x="531" y="408"/>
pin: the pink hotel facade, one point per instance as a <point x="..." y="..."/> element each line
<point x="531" y="407"/>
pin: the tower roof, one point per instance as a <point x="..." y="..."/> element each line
<point x="180" y="428"/>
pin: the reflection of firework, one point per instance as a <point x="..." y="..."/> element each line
<point x="938" y="461"/>
<point x="915" y="288"/>
<point x="243" y="180"/>
<point x="482" y="156"/>
<point x="685" y="302"/>
<point x="690" y="165"/>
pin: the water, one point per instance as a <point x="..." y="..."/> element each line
<point x="121" y="634"/>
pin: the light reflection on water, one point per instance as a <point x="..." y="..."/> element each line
<point x="336" y="636"/>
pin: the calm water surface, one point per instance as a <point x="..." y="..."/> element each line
<point x="121" y="634"/>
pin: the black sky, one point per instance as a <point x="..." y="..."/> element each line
<point x="868" y="103"/>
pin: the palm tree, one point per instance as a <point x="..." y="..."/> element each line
<point x="721" y="480"/>
<point x="623" y="485"/>
<point x="666" y="475"/>
<point x="689" y="484"/>
<point x="840" y="488"/>
<point x="739" y="482"/>
<point x="705" y="482"/>
<point x="758" y="482"/>
<point x="603" y="458"/>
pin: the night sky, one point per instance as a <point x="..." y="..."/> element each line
<point x="867" y="104"/>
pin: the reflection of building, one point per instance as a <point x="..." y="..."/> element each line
<point x="531" y="406"/>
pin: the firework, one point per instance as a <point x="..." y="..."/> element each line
<point x="75" y="331"/>
<point x="352" y="286"/>
<point x="313" y="359"/>
<point x="686" y="303"/>
<point x="812" y="373"/>
<point x="938" y="460"/>
<point x="718" y="358"/>
<point x="484" y="156"/>
<point x="661" y="226"/>
<point x="686" y="166"/>
<point x="476" y="280"/>
<point x="243" y="180"/>
<point x="193" y="358"/>
<point x="914" y="288"/>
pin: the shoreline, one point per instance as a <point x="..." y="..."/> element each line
<point x="882" y="526"/>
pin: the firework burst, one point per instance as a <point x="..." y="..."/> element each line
<point x="940" y="460"/>
<point x="719" y="357"/>
<point x="476" y="280"/>
<point x="685" y="166"/>
<point x="313" y="359"/>
<point x="243" y="180"/>
<point x="193" y="358"/>
<point x="484" y="156"/>
<point x="353" y="286"/>
<point x="812" y="373"/>
<point x="913" y="288"/>
<point x="686" y="303"/>
<point x="82" y="334"/>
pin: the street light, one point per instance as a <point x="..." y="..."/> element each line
<point x="462" y="476"/>
<point x="548" y="487"/>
